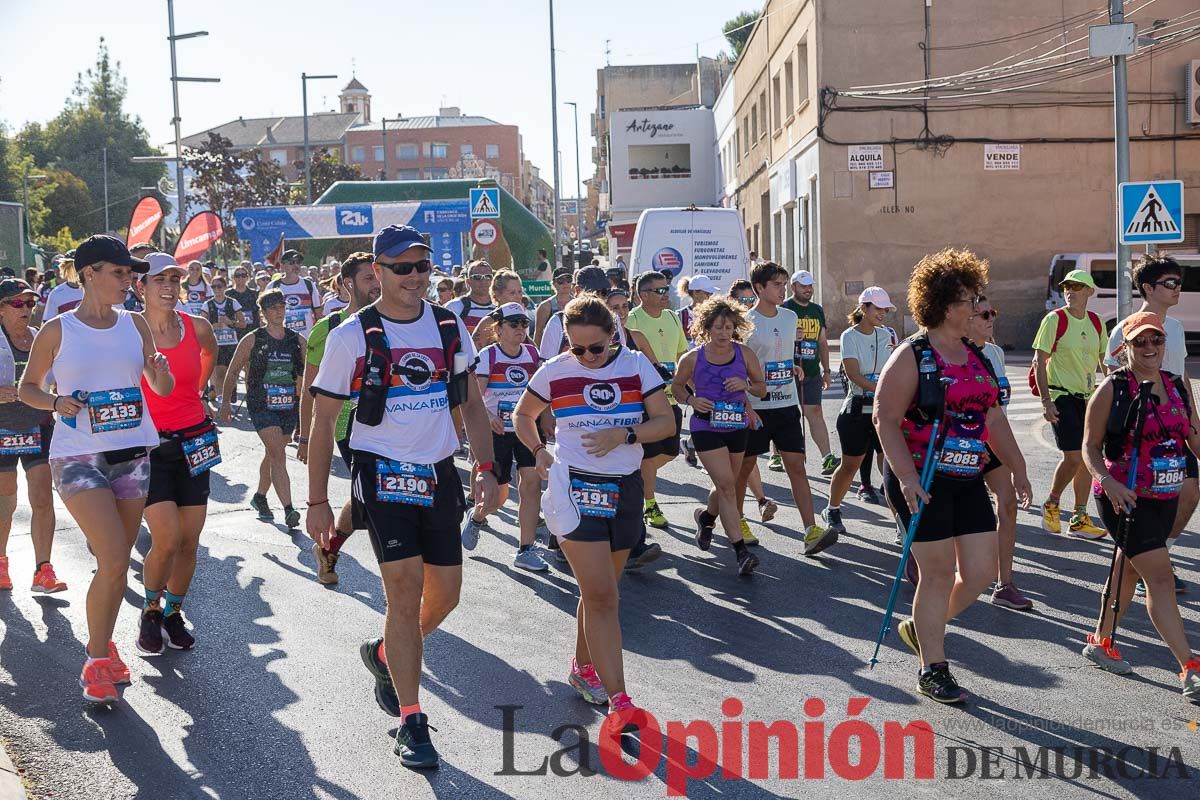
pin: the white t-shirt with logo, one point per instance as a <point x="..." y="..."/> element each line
<point x="62" y="298"/>
<point x="474" y="313"/>
<point x="416" y="426"/>
<point x="1173" y="355"/>
<point x="195" y="296"/>
<point x="299" y="302"/>
<point x="587" y="400"/>
<point x="507" y="376"/>
<point x="774" y="342"/>
<point x="870" y="350"/>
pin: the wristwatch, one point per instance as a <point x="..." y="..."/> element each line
<point x="630" y="436"/>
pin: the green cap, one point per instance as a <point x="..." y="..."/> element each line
<point x="1079" y="276"/>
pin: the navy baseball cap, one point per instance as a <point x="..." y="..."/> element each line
<point x="396" y="239"/>
<point x="591" y="279"/>
<point x="95" y="249"/>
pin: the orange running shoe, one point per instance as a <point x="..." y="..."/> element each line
<point x="46" y="582"/>
<point x="118" y="668"/>
<point x="5" y="581"/>
<point x="97" y="682"/>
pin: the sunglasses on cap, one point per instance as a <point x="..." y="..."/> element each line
<point x="595" y="349"/>
<point x="421" y="266"/>
<point x="30" y="303"/>
<point x="1155" y="340"/>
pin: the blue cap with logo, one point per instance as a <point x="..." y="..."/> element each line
<point x="396" y="239"/>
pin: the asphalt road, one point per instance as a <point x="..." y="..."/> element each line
<point x="274" y="702"/>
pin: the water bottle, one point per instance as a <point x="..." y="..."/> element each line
<point x="80" y="396"/>
<point x="927" y="365"/>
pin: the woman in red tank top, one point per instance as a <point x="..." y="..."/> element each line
<point x="177" y="502"/>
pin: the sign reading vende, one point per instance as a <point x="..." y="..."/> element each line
<point x="865" y="157"/>
<point x="1001" y="156"/>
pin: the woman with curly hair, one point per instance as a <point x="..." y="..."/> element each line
<point x="714" y="379"/>
<point x="940" y="374"/>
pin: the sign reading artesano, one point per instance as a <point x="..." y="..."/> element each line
<point x="662" y="158"/>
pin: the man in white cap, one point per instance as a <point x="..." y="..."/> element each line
<point x="812" y="365"/>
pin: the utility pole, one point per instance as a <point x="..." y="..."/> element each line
<point x="180" y="193"/>
<point x="578" y="177"/>
<point x="554" y="128"/>
<point x="107" y="227"/>
<point x="304" y="79"/>
<point x="1116" y="16"/>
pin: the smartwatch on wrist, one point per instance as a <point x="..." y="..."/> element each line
<point x="630" y="436"/>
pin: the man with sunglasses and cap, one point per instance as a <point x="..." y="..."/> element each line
<point x="1068" y="348"/>
<point x="405" y="486"/>
<point x="812" y="362"/>
<point x="477" y="303"/>
<point x="1159" y="279"/>
<point x="554" y="338"/>
<point x="302" y="296"/>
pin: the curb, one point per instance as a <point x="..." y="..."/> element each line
<point x="11" y="785"/>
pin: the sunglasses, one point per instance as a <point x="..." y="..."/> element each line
<point x="562" y="279"/>
<point x="746" y="301"/>
<point x="1155" y="340"/>
<point x="421" y="266"/>
<point x="517" y="323"/>
<point x="480" y="276"/>
<point x="21" y="303"/>
<point x="1074" y="286"/>
<point x="240" y="275"/>
<point x="595" y="349"/>
<point x="989" y="314"/>
<point x="660" y="290"/>
<point x="1170" y="283"/>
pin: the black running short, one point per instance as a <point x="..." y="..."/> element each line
<point x="855" y="431"/>
<point x="781" y="426"/>
<point x="668" y="446"/>
<point x="733" y="441"/>
<point x="402" y="530"/>
<point x="1068" y="431"/>
<point x="8" y="463"/>
<point x="1193" y="467"/>
<point x="225" y="354"/>
<point x="507" y="448"/>
<point x="286" y="421"/>
<point x="625" y="529"/>
<point x="170" y="479"/>
<point x="1149" y="526"/>
<point x="956" y="507"/>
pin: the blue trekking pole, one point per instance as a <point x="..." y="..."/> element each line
<point x="932" y="455"/>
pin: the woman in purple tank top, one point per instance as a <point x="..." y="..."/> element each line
<point x="714" y="379"/>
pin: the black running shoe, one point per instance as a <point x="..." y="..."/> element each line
<point x="259" y="503"/>
<point x="747" y="562"/>
<point x="177" y="634"/>
<point x="936" y="683"/>
<point x="385" y="693"/>
<point x="413" y="745"/>
<point x="641" y="556"/>
<point x="150" y="638"/>
<point x="704" y="533"/>
<point x="291" y="517"/>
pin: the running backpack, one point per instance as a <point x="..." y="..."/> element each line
<point x="291" y="340"/>
<point x="213" y="314"/>
<point x="1058" y="334"/>
<point x="930" y="394"/>
<point x="1121" y="416"/>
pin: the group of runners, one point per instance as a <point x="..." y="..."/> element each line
<point x="580" y="402"/>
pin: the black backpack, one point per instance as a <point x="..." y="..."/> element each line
<point x="291" y="340"/>
<point x="213" y="313"/>
<point x="378" y="362"/>
<point x="1121" y="417"/>
<point x="930" y="394"/>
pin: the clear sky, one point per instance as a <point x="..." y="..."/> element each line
<point x="488" y="58"/>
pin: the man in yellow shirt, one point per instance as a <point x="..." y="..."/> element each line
<point x="1069" y="347"/>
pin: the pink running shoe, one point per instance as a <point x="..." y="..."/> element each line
<point x="587" y="683"/>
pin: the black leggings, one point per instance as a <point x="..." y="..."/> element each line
<point x="864" y="469"/>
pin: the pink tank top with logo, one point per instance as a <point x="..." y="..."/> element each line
<point x="969" y="395"/>
<point x="1161" y="466"/>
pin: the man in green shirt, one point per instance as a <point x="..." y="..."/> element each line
<point x="1069" y="347"/>
<point x="812" y="362"/>
<point x="655" y="320"/>
<point x="363" y="285"/>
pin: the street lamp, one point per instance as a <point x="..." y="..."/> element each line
<point x="304" y="79"/>
<point x="25" y="188"/>
<point x="578" y="176"/>
<point x="181" y="198"/>
<point x="554" y="128"/>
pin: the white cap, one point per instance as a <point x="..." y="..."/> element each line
<point x="161" y="262"/>
<point x="702" y="283"/>
<point x="876" y="296"/>
<point x="802" y="277"/>
<point x="511" y="311"/>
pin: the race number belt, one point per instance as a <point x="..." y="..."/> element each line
<point x="115" y="409"/>
<point x="961" y="458"/>
<point x="806" y="349"/>
<point x="728" y="416"/>
<point x="595" y="497"/>
<point x="225" y="336"/>
<point x="20" y="443"/>
<point x="779" y="373"/>
<point x="403" y="482"/>
<point x="504" y="410"/>
<point x="1005" y="390"/>
<point x="280" y="398"/>
<point x="868" y="395"/>
<point x="1169" y="473"/>
<point x="295" y="321"/>
<point x="201" y="452"/>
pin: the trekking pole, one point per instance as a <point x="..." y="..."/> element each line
<point x="932" y="455"/>
<point x="1145" y="397"/>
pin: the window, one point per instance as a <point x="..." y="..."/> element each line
<point x="789" y="89"/>
<point x="279" y="157"/>
<point x="439" y="173"/>
<point x="737" y="144"/>
<point x="407" y="152"/>
<point x="762" y="113"/>
<point x="775" y="101"/>
<point x="378" y="154"/>
<point x="754" y="123"/>
<point x="358" y="154"/>
<point x="802" y="72"/>
<point x="466" y="151"/>
<point x="410" y="174"/>
<point x="439" y="150"/>
<point x="492" y="150"/>
<point x="746" y="140"/>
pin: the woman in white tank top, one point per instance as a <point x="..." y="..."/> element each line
<point x="102" y="432"/>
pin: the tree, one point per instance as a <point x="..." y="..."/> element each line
<point x="69" y="203"/>
<point x="328" y="169"/>
<point x="737" y="31"/>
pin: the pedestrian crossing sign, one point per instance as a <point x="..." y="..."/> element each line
<point x="1151" y="212"/>
<point x="485" y="203"/>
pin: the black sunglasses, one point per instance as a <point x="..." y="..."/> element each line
<point x="595" y="349"/>
<point x="561" y="279"/>
<point x="421" y="266"/>
<point x="522" y="322"/>
<point x="989" y="314"/>
<point x="659" y="290"/>
<point x="1170" y="283"/>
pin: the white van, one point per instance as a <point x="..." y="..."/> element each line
<point x="691" y="241"/>
<point x="1103" y="269"/>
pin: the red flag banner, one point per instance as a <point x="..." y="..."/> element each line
<point x="144" y="222"/>
<point x="276" y="256"/>
<point x="201" y="232"/>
